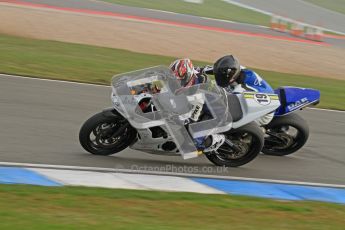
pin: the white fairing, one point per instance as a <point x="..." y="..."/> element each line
<point x="252" y="110"/>
<point x="263" y="120"/>
<point x="254" y="106"/>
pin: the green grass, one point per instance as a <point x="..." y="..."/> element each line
<point x="335" y="5"/>
<point x="83" y="63"/>
<point x="34" y="207"/>
<point x="58" y="60"/>
<point x="210" y="8"/>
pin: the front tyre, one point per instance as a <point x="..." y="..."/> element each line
<point x="247" y="143"/>
<point x="106" y="135"/>
<point x="285" y="135"/>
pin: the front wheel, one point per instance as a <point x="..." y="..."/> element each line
<point x="285" y="135"/>
<point x="106" y="135"/>
<point x="243" y="145"/>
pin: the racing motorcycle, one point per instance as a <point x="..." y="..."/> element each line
<point x="152" y="113"/>
<point x="287" y="132"/>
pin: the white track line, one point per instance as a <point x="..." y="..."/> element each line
<point x="100" y="169"/>
<point x="90" y="84"/>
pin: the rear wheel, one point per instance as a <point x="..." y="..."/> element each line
<point x="243" y="145"/>
<point x="104" y="135"/>
<point x="285" y="135"/>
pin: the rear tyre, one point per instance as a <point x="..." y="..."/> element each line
<point x="248" y="141"/>
<point x="285" y="135"/>
<point x="106" y="135"/>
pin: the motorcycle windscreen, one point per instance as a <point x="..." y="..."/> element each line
<point x="172" y="106"/>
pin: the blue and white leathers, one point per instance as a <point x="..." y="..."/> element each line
<point x="256" y="83"/>
<point x="291" y="98"/>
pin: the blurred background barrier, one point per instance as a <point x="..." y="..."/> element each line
<point x="279" y="23"/>
<point x="314" y="33"/>
<point x="274" y="22"/>
<point x="296" y="28"/>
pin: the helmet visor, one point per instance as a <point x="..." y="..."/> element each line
<point x="233" y="73"/>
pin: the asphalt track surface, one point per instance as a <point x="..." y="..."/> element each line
<point x="168" y="16"/>
<point x="40" y="122"/>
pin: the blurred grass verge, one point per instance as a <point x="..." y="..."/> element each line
<point x="91" y="64"/>
<point x="210" y="8"/>
<point x="335" y="5"/>
<point x="35" y="207"/>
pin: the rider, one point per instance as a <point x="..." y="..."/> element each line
<point x="188" y="76"/>
<point x="185" y="72"/>
<point x="230" y="75"/>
